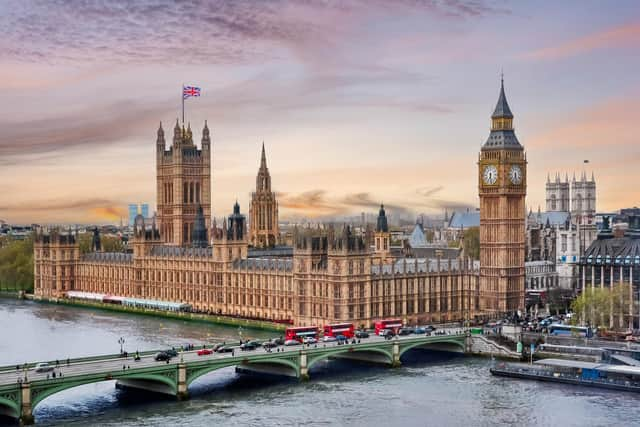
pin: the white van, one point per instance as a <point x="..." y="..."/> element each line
<point x="43" y="367"/>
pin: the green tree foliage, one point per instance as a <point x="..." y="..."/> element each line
<point x="472" y="242"/>
<point x="597" y="306"/>
<point x="16" y="265"/>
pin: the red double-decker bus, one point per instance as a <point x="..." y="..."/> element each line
<point x="336" y="329"/>
<point x="301" y="332"/>
<point x="392" y="324"/>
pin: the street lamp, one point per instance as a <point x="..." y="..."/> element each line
<point x="121" y="342"/>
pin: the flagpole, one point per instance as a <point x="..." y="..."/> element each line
<point x="182" y="96"/>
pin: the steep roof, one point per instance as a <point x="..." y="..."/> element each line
<point x="465" y="219"/>
<point x="502" y="107"/>
<point x="417" y="238"/>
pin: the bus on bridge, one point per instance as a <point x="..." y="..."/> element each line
<point x="336" y="329"/>
<point x="300" y="333"/>
<point x="390" y="324"/>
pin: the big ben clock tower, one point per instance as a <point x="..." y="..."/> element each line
<point x="502" y="185"/>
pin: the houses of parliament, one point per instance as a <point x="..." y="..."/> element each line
<point x="330" y="273"/>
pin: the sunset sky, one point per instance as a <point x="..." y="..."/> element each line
<point x="357" y="102"/>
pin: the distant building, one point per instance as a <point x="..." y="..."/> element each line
<point x="133" y="212"/>
<point x="135" y="209"/>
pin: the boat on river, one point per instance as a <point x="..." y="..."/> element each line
<point x="576" y="372"/>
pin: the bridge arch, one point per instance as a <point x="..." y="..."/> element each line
<point x="42" y="391"/>
<point x="454" y="345"/>
<point x="10" y="407"/>
<point x="193" y="373"/>
<point x="343" y="350"/>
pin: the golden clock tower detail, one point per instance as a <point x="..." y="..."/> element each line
<point x="502" y="185"/>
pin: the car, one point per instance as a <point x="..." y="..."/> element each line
<point x="172" y="352"/>
<point x="309" y="340"/>
<point x="292" y="342"/>
<point x="341" y="338"/>
<point x="43" y="367"/>
<point x="362" y="334"/>
<point x="419" y="331"/>
<point x="388" y="333"/>
<point x="278" y="341"/>
<point x="269" y="344"/>
<point x="218" y="346"/>
<point x="162" y="356"/>
<point x="329" y="338"/>
<point x="256" y="343"/>
<point x="251" y="345"/>
<point x="430" y="328"/>
<point x="225" y="349"/>
<point x="205" y="351"/>
<point x="405" y="331"/>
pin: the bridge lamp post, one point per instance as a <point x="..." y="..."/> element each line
<point x="121" y="342"/>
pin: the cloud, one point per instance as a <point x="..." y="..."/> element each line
<point x="107" y="124"/>
<point x="192" y="32"/>
<point x="57" y="204"/>
<point x="610" y="123"/>
<point x="316" y="203"/>
<point x="313" y="203"/>
<point x="621" y="36"/>
<point x="109" y="213"/>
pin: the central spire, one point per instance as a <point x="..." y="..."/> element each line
<point x="263" y="158"/>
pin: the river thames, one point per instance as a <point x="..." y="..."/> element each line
<point x="430" y="389"/>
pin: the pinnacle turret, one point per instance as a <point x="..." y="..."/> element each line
<point x="263" y="158"/>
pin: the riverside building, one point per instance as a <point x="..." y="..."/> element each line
<point x="329" y="274"/>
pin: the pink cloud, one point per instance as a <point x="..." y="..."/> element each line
<point x="621" y="36"/>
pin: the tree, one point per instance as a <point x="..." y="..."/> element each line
<point x="472" y="242"/>
<point x="601" y="307"/>
<point x="16" y="265"/>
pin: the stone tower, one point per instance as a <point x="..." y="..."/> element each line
<point x="56" y="256"/>
<point x="263" y="211"/>
<point x="583" y="196"/>
<point x="502" y="184"/>
<point x="382" y="237"/>
<point x="557" y="192"/>
<point x="230" y="241"/>
<point x="184" y="183"/>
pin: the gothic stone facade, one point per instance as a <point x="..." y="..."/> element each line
<point x="502" y="183"/>
<point x="263" y="211"/>
<point x="329" y="278"/>
<point x="183" y="183"/>
<point x="332" y="275"/>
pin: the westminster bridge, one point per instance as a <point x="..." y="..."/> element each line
<point x="22" y="389"/>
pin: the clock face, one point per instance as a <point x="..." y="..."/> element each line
<point x="515" y="174"/>
<point x="490" y="175"/>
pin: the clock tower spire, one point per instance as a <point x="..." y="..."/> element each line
<point x="502" y="190"/>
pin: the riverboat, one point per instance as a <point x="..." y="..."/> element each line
<point x="576" y="372"/>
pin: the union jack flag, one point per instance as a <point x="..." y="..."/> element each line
<point x="188" y="91"/>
